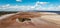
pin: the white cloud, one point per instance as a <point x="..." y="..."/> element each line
<point x="41" y="3"/>
<point x="19" y="0"/>
<point x="8" y="5"/>
<point x="37" y="6"/>
<point x="14" y="8"/>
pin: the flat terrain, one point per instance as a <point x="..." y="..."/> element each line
<point x="46" y="20"/>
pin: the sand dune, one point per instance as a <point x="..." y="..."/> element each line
<point x="38" y="20"/>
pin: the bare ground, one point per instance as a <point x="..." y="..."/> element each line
<point x="45" y="21"/>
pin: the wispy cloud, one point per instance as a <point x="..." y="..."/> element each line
<point x="19" y="0"/>
<point x="43" y="3"/>
<point x="37" y="6"/>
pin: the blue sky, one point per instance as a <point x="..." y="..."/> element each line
<point x="27" y="2"/>
<point x="44" y="5"/>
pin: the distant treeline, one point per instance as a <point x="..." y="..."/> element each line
<point x="9" y="12"/>
<point x="3" y="12"/>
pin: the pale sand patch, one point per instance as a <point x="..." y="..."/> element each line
<point x="52" y="18"/>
